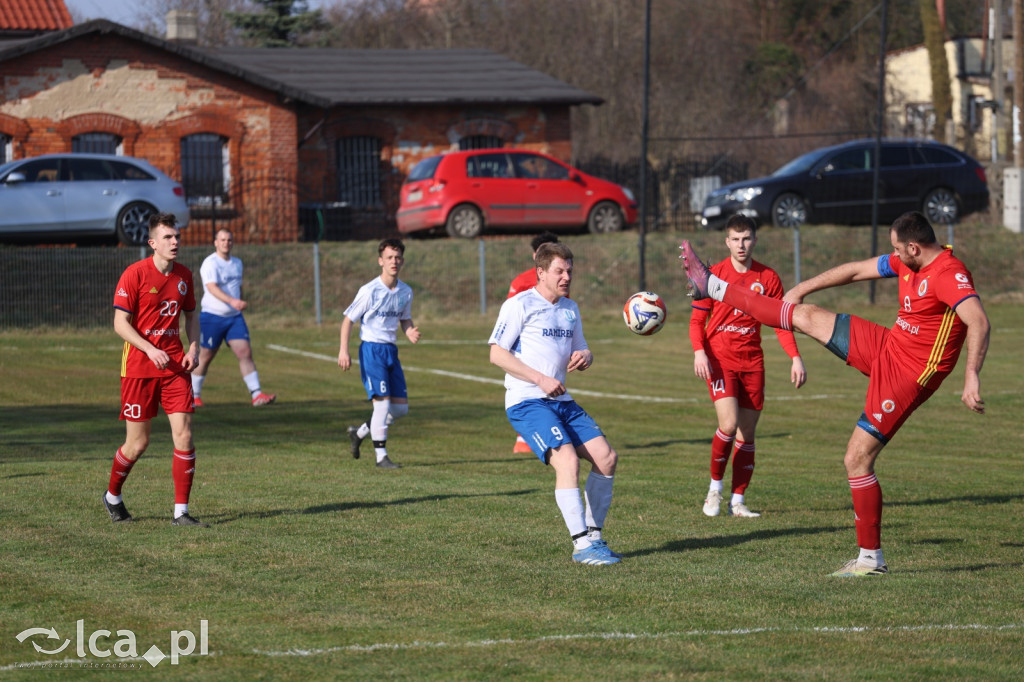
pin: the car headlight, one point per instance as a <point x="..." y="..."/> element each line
<point x="629" y="193"/>
<point x="745" y="193"/>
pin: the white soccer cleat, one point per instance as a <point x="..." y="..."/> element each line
<point x="713" y="504"/>
<point x="742" y="511"/>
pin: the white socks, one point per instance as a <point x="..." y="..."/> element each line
<point x="571" y="505"/>
<point x="252" y="382"/>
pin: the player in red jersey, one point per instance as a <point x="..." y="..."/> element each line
<point x="727" y="355"/>
<point x="939" y="312"/>
<point x="527" y="279"/>
<point x="150" y="298"/>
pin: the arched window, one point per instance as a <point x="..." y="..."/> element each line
<point x="206" y="169"/>
<point x="359" y="171"/>
<point x="97" y="143"/>
<point x="480" y="142"/>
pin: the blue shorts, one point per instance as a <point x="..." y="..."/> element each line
<point x="381" y="371"/>
<point x="548" y="424"/>
<point x="216" y="329"/>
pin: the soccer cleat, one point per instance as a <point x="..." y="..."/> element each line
<point x="595" y="556"/>
<point x="697" y="273"/>
<point x="388" y="464"/>
<point x="713" y="504"/>
<point x="742" y="511"/>
<point x="602" y="545"/>
<point x="187" y="520"/>
<point x="855" y="569"/>
<point x="354" y="441"/>
<point x="117" y="512"/>
<point x="263" y="399"/>
<point x="521" y="447"/>
<point x="198" y="402"/>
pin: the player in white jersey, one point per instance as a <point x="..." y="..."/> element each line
<point x="220" y="319"/>
<point x="537" y="340"/>
<point x="380" y="306"/>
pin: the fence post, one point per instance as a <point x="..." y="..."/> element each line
<point x="483" y="277"/>
<point x="316" y="280"/>
<point x="796" y="254"/>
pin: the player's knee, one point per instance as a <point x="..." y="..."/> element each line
<point x="398" y="410"/>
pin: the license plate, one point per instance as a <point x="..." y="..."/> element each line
<point x="415" y="196"/>
<point x="712" y="211"/>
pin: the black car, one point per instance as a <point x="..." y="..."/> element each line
<point x="835" y="185"/>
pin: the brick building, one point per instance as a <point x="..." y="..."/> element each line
<point x="258" y="136"/>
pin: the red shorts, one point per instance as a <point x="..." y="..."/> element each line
<point x="746" y="387"/>
<point x="893" y="395"/>
<point x="140" y="398"/>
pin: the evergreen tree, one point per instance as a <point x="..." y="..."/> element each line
<point x="282" y="23"/>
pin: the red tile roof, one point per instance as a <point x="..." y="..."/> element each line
<point x="34" y="15"/>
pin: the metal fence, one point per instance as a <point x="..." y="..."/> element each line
<point x="67" y="287"/>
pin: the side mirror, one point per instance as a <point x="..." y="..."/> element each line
<point x="576" y="177"/>
<point x="14" y="178"/>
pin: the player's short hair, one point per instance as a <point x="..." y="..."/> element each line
<point x="391" y="243"/>
<point x="223" y="229"/>
<point x="546" y="253"/>
<point x="913" y="227"/>
<point x="161" y="220"/>
<point x="543" y="238"/>
<point x="740" y="223"/>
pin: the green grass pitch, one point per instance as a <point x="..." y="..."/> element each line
<point x="457" y="566"/>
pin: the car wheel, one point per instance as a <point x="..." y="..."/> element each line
<point x="465" y="221"/>
<point x="605" y="217"/>
<point x="133" y="223"/>
<point x="940" y="206"/>
<point x="790" y="210"/>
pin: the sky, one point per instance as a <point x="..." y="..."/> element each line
<point x="121" y="11"/>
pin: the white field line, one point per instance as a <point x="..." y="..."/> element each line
<point x="598" y="636"/>
<point x="574" y="391"/>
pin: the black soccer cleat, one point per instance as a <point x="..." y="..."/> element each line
<point x="118" y="513"/>
<point x="354" y="441"/>
<point x="388" y="464"/>
<point x="186" y="520"/>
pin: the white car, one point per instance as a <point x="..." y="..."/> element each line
<point x="68" y="196"/>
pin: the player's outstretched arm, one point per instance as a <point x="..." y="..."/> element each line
<point x="857" y="271"/>
<point x="123" y="327"/>
<point x="972" y="313"/>
<point x="191" y="359"/>
<point x="505" y="360"/>
<point x="344" y="360"/>
<point x="412" y="332"/>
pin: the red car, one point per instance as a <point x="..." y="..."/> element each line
<point x="468" y="192"/>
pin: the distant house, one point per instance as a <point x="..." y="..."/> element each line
<point x="260" y="136"/>
<point x="910" y="110"/>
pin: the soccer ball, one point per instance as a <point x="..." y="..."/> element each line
<point x="644" y="313"/>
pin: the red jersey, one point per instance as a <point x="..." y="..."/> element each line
<point x="155" y="302"/>
<point x="732" y="337"/>
<point x="928" y="335"/>
<point x="523" y="281"/>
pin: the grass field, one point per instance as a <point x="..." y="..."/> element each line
<point x="457" y="566"/>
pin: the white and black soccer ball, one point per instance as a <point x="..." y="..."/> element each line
<point x="644" y="313"/>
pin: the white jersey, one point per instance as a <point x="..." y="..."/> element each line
<point x="226" y="274"/>
<point x="542" y="335"/>
<point x="379" y="310"/>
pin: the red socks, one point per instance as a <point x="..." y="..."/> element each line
<point x="867" y="511"/>
<point x="182" y="471"/>
<point x="764" y="309"/>
<point x="742" y="467"/>
<point x="119" y="472"/>
<point x="721" y="444"/>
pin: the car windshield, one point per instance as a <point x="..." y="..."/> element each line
<point x="424" y="169"/>
<point x="801" y="164"/>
